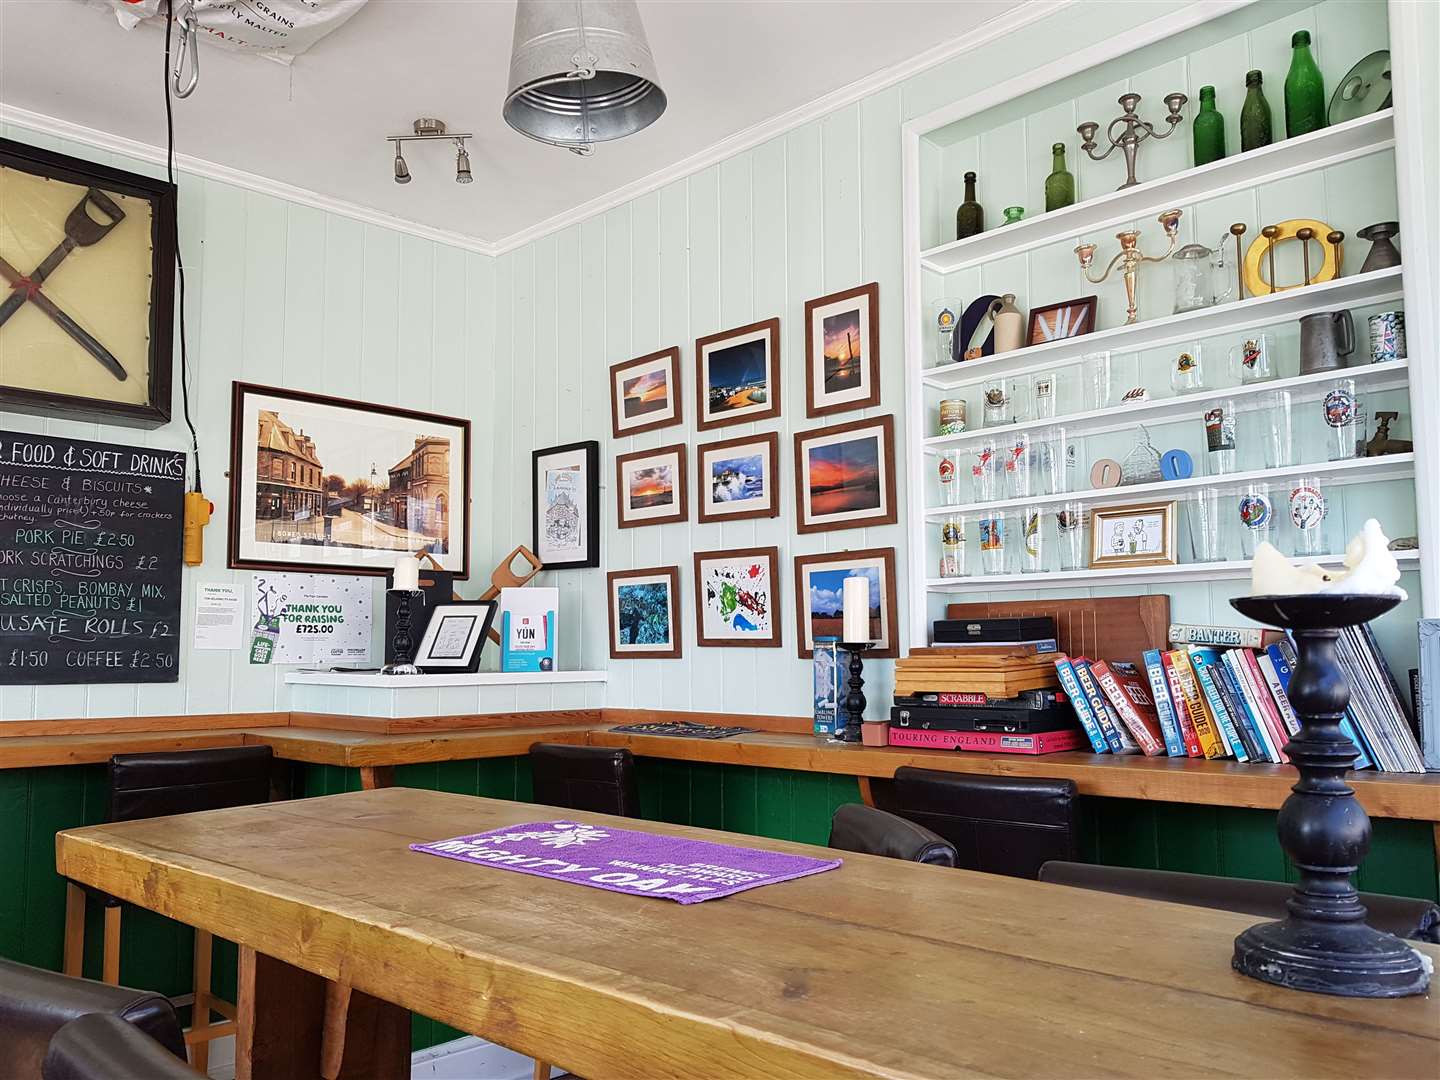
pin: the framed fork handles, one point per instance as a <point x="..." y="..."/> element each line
<point x="87" y="279"/>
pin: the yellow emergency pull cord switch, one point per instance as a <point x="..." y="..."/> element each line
<point x="197" y="515"/>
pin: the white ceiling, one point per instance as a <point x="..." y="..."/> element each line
<point x="725" y="65"/>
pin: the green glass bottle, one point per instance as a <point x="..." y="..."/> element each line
<point x="1254" y="114"/>
<point x="1304" y="89"/>
<point x="1208" y="129"/>
<point x="1059" y="185"/>
<point x="970" y="218"/>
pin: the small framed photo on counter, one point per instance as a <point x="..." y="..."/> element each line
<point x="455" y="636"/>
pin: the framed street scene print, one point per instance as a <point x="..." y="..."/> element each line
<point x="565" y="487"/>
<point x="819" y="583"/>
<point x="645" y="613"/>
<point x="87" y="258"/>
<point x="737" y="375"/>
<point x="735" y="597"/>
<point x="344" y="487"/>
<point x="738" y="478"/>
<point x="645" y="393"/>
<point x="845" y="476"/>
<point x="842" y="351"/>
<point x="650" y="487"/>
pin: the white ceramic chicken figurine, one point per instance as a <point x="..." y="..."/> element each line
<point x="1370" y="569"/>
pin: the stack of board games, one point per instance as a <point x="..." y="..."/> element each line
<point x="1221" y="692"/>
<point x="987" y="684"/>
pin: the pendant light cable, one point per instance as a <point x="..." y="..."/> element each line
<point x="179" y="261"/>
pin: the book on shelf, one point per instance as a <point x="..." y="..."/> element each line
<point x="1212" y="742"/>
<point x="1249" y="662"/>
<point x="1203" y="660"/>
<point x="1282" y="658"/>
<point x="1225" y="637"/>
<point x="1164" y="704"/>
<point x="1270" y="668"/>
<point x="1377" y="708"/>
<point x="1232" y="695"/>
<point x="1251" y="711"/>
<point x="1045" y="742"/>
<point x="1126" y="690"/>
<point x="1116" y="734"/>
<point x="1071" y="685"/>
<point x="988" y="648"/>
<point x="1188" y="735"/>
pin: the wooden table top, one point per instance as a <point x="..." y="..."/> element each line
<point x="880" y="968"/>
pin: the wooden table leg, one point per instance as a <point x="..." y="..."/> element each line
<point x="376" y="776"/>
<point x="865" y="794"/>
<point x="281" y="1027"/>
<point x="75" y="927"/>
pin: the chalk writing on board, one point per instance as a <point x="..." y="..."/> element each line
<point x="89" y="561"/>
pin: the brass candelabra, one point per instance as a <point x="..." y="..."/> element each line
<point x="1129" y="257"/>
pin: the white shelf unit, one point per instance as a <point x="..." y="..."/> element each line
<point x="1356" y="145"/>
<point x="375" y="680"/>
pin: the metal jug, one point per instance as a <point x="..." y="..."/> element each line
<point x="1326" y="339"/>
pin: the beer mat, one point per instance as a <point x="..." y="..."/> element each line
<point x="684" y="729"/>
<point x="626" y="861"/>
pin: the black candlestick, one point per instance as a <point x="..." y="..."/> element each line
<point x="401" y="645"/>
<point x="1324" y="945"/>
<point x="854" y="703"/>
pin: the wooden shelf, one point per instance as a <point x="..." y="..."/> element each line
<point x="377" y="681"/>
<point x="1306" y="153"/>
<point x="1353" y="471"/>
<point x="1139" y="575"/>
<point x="1378" y="286"/>
<point x="1372" y="377"/>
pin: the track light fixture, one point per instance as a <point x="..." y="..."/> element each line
<point x="428" y="129"/>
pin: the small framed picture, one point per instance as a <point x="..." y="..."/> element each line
<point x="738" y="478"/>
<point x="645" y="613"/>
<point x="454" y="637"/>
<point x="1142" y="535"/>
<point x="566" y="488"/>
<point x="842" y="351"/>
<point x="819" y="582"/>
<point x="845" y="476"/>
<point x="737" y="375"/>
<point x="1058" y="321"/>
<point x="650" y="486"/>
<point x="645" y="393"/>
<point x="735" y="596"/>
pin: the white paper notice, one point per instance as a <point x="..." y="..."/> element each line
<point x="318" y="619"/>
<point x="219" y="616"/>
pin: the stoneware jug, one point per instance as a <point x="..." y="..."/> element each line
<point x="1326" y="339"/>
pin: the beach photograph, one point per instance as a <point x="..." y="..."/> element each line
<point x="844" y="477"/>
<point x="842" y="351"/>
<point x="737" y="376"/>
<point x="651" y="487"/>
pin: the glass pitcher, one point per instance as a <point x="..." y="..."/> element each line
<point x="1194" y="278"/>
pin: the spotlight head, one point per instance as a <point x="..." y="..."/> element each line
<point x="402" y="171"/>
<point x="462" y="167"/>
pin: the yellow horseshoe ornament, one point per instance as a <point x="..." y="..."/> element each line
<point x="1255" y="258"/>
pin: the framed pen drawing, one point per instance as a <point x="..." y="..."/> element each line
<point x="645" y="393"/>
<point x="565" y="482"/>
<point x="336" y="486"/>
<point x="842" y="351"/>
<point x="737" y="375"/>
<point x="87" y="279"/>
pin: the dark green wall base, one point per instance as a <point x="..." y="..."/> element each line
<point x="156" y="952"/>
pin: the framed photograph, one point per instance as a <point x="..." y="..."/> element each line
<point x="819" y="580"/>
<point x="650" y="487"/>
<point x="1142" y="535"/>
<point x="842" y="351"/>
<point x="845" y="476"/>
<point x="739" y="478"/>
<point x="735" y="595"/>
<point x="737" y="375"/>
<point x="454" y="637"/>
<point x="645" y="393"/>
<point x="87" y="258"/>
<point x="1058" y="321"/>
<point x="343" y="487"/>
<point x="565" y="485"/>
<point x="645" y="612"/>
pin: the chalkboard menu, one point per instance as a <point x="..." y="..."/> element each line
<point x="89" y="561"/>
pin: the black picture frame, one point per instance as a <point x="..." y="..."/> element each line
<point x="161" y="195"/>
<point x="468" y="662"/>
<point x="587" y="456"/>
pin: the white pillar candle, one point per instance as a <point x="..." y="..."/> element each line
<point x="407" y="573"/>
<point x="856" y="592"/>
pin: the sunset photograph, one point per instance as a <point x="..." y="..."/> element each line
<point x="844" y="476"/>
<point x="646" y="393"/>
<point x="842" y="351"/>
<point x="652" y="487"/>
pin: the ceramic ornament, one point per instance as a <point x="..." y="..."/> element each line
<point x="1370" y="570"/>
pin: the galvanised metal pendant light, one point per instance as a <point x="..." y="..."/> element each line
<point x="581" y="72"/>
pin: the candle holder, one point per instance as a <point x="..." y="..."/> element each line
<point x="1324" y="944"/>
<point x="400" y="644"/>
<point x="853" y="704"/>
<point x="1133" y="132"/>
<point x="1129" y="257"/>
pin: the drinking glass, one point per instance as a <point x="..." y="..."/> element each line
<point x="1220" y="436"/>
<point x="1207" y="515"/>
<point x="1187" y="372"/>
<point x="1253" y="360"/>
<point x="1309" y="511"/>
<point x="1044" y="389"/>
<point x="1276" y="435"/>
<point x="985" y="470"/>
<point x="952" y="546"/>
<point x="1032" y="535"/>
<point x="1344" y="421"/>
<point x="1054" y="460"/>
<point x="1257" y="517"/>
<point x="1019" y="465"/>
<point x="1097" y="376"/>
<point x="1017" y="393"/>
<point x="995" y="393"/>
<point x="1070" y="536"/>
<point x="944" y="320"/>
<point x="949" y="464"/>
<point x="992" y="543"/>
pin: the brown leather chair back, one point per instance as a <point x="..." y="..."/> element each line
<point x="856" y="827"/>
<point x="183" y="782"/>
<point x="102" y="1047"/>
<point x="998" y="824"/>
<point x="35" y="1004"/>
<point x="592" y="778"/>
